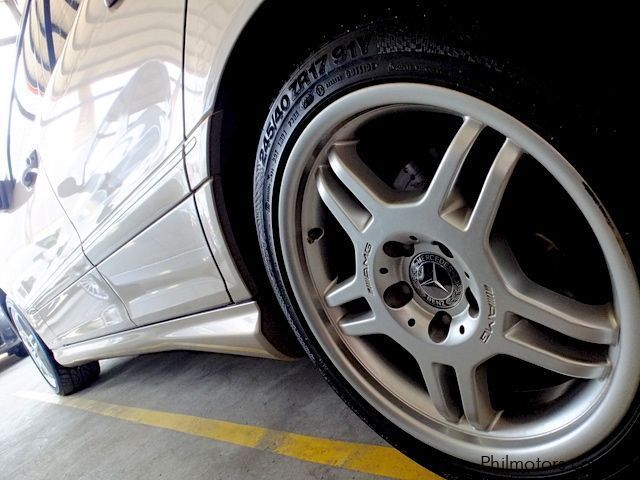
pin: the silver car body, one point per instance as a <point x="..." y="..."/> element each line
<point x="115" y="245"/>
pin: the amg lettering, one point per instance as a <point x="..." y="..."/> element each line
<point x="365" y="269"/>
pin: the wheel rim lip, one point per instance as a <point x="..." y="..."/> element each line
<point x="35" y="350"/>
<point x="612" y="404"/>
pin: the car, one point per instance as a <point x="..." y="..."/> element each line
<point x="429" y="200"/>
<point x="10" y="342"/>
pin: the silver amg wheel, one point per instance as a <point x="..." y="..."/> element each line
<point x="36" y="349"/>
<point x="63" y="380"/>
<point x="418" y="299"/>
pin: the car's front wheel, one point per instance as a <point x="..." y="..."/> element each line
<point x="452" y="274"/>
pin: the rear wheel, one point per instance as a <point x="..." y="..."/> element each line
<point x="63" y="380"/>
<point x="20" y="351"/>
<point x="452" y="274"/>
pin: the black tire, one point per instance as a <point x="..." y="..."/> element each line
<point x="65" y="380"/>
<point x="20" y="351"/>
<point x="74" y="379"/>
<point x="383" y="54"/>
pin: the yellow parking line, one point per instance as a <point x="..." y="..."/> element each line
<point x="359" y="457"/>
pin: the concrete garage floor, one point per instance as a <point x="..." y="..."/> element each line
<point x="43" y="440"/>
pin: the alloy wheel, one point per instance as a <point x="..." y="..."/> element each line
<point x="36" y="349"/>
<point x="416" y="297"/>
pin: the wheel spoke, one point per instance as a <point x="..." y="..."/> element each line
<point x="589" y="323"/>
<point x="363" y="324"/>
<point x="541" y="347"/>
<point x="358" y="178"/>
<point x="349" y="214"/>
<point x="344" y="292"/>
<point x="476" y="402"/>
<point x="443" y="389"/>
<point x="438" y="193"/>
<point x="527" y="299"/>
<point x="488" y="202"/>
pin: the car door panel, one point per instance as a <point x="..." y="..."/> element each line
<point x="150" y="202"/>
<point x="47" y="274"/>
<point x="110" y="138"/>
<point x="46" y="255"/>
<point x="167" y="271"/>
<point x="117" y="101"/>
<point x="123" y="168"/>
<point x="86" y="307"/>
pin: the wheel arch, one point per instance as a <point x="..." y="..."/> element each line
<point x="238" y="114"/>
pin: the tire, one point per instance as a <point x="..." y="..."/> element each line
<point x="63" y="380"/>
<point x="384" y="56"/>
<point x="20" y="351"/>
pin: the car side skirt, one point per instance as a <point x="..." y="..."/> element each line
<point x="233" y="329"/>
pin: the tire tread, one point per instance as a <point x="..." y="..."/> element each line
<point x="74" y="379"/>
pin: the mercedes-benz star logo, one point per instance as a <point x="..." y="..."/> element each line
<point x="432" y="279"/>
<point x="435" y="280"/>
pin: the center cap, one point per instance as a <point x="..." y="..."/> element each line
<point x="435" y="280"/>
